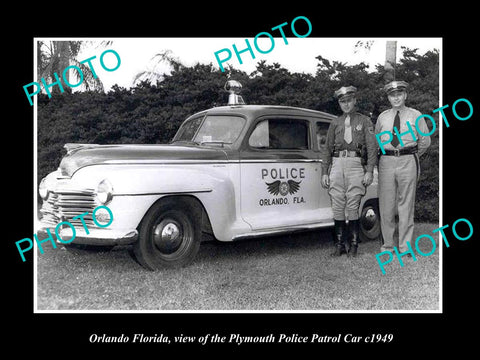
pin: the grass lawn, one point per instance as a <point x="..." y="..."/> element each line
<point x="275" y="273"/>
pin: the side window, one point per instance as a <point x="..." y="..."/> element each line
<point x="288" y="134"/>
<point x="322" y="129"/>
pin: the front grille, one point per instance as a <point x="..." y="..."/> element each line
<point x="64" y="205"/>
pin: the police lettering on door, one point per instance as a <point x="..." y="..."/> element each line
<point x="282" y="182"/>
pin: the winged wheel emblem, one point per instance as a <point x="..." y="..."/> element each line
<point x="283" y="187"/>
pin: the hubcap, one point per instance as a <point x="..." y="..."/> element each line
<point x="170" y="232"/>
<point x="369" y="219"/>
<point x="167" y="236"/>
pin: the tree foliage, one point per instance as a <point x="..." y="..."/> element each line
<point x="151" y="113"/>
<point x="53" y="57"/>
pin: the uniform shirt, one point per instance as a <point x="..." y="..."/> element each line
<point x="362" y="135"/>
<point x="385" y="123"/>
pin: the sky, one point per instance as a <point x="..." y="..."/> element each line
<point x="297" y="56"/>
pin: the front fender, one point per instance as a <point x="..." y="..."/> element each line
<point x="139" y="180"/>
<point x="137" y="187"/>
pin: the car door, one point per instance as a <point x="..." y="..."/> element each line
<point x="280" y="175"/>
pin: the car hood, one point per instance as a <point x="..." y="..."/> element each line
<point x="81" y="155"/>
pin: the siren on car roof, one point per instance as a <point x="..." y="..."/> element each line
<point x="234" y="88"/>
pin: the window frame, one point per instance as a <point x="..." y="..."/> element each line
<point x="315" y="125"/>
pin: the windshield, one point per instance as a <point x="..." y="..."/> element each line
<point x="223" y="129"/>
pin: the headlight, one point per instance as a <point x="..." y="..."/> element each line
<point x="42" y="189"/>
<point x="104" y="191"/>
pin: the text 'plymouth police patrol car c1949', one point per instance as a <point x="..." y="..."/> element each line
<point x="235" y="171"/>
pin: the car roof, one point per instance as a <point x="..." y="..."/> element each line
<point x="254" y="111"/>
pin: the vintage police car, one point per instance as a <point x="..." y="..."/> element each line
<point x="236" y="172"/>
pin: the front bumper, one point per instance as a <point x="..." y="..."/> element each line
<point x="105" y="237"/>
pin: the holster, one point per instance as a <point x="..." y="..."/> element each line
<point x="363" y="154"/>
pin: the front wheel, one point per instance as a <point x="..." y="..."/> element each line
<point x="370" y="228"/>
<point x="169" y="235"/>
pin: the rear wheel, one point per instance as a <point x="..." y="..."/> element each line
<point x="370" y="228"/>
<point x="169" y="235"/>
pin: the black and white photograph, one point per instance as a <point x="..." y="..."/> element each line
<point x="175" y="186"/>
<point x="261" y="183"/>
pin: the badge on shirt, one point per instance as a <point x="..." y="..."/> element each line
<point x="358" y="127"/>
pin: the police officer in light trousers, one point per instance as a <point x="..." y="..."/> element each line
<point x="398" y="168"/>
<point x="351" y="155"/>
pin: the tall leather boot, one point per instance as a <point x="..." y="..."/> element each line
<point x="339" y="229"/>
<point x="353" y="230"/>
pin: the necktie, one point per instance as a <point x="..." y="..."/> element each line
<point x="347" y="136"/>
<point x="396" y="123"/>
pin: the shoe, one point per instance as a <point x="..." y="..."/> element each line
<point x="338" y="251"/>
<point x="353" y="230"/>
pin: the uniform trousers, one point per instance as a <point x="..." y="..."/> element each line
<point x="397" y="183"/>
<point x="346" y="187"/>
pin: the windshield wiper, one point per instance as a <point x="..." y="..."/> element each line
<point x="214" y="142"/>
